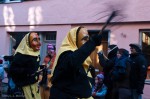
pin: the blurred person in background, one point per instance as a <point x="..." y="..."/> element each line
<point x="12" y="89"/>
<point x="108" y="63"/>
<point x="121" y="75"/>
<point x="138" y="71"/>
<point x="45" y="75"/>
<point x="99" y="89"/>
<point x="1" y="75"/>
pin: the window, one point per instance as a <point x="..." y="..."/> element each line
<point x="145" y="42"/>
<point x="50" y="37"/>
<point x="12" y="1"/>
<point x="103" y="46"/>
<point x="9" y="1"/>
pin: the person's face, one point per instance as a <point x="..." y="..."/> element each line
<point x="98" y="80"/>
<point x="132" y="50"/>
<point x="83" y="37"/>
<point x="35" y="41"/>
<point x="51" y="51"/>
<point x="118" y="55"/>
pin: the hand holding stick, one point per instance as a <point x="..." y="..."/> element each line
<point x="113" y="14"/>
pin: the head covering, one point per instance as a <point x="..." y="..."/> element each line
<point x="136" y="47"/>
<point x="24" y="48"/>
<point x="123" y="52"/>
<point x="51" y="47"/>
<point x="100" y="76"/>
<point x="113" y="51"/>
<point x="69" y="44"/>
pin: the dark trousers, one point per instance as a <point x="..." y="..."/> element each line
<point x="121" y="93"/>
<point x="55" y="93"/>
<point x="109" y="94"/>
<point x="135" y="95"/>
<point x="124" y="93"/>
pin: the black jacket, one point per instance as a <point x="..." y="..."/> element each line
<point x="70" y="79"/>
<point x="108" y="65"/>
<point x="23" y="68"/>
<point x="138" y="72"/>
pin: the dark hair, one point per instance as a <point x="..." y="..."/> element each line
<point x="136" y="47"/>
<point x="123" y="51"/>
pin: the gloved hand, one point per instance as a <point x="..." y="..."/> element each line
<point x="100" y="53"/>
<point x="92" y="71"/>
<point x="96" y="38"/>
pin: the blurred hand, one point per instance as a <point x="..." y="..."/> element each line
<point x="93" y="93"/>
<point x="97" y="38"/>
<point x="100" y="52"/>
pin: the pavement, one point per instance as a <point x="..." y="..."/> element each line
<point x="146" y="91"/>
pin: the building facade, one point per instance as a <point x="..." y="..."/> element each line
<point x="52" y="19"/>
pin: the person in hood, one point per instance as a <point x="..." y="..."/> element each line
<point x="45" y="76"/>
<point x="138" y="71"/>
<point x="121" y="75"/>
<point x="25" y="65"/>
<point x="108" y="63"/>
<point x="70" y="78"/>
<point x="99" y="90"/>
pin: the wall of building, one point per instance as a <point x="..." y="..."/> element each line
<point x="5" y="46"/>
<point x="55" y="15"/>
<point x="123" y="34"/>
<point x="71" y="11"/>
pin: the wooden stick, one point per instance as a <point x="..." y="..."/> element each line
<point x="113" y="14"/>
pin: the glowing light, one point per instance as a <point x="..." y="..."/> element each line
<point x="8" y="15"/>
<point x="34" y="16"/>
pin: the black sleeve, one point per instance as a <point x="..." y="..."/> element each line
<point x="142" y="68"/>
<point x="92" y="71"/>
<point x="102" y="60"/>
<point x="69" y="62"/>
<point x="24" y="64"/>
<point x="77" y="57"/>
<point x="8" y="58"/>
<point x="105" y="63"/>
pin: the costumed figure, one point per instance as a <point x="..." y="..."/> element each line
<point x="70" y="79"/>
<point x="25" y="65"/>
